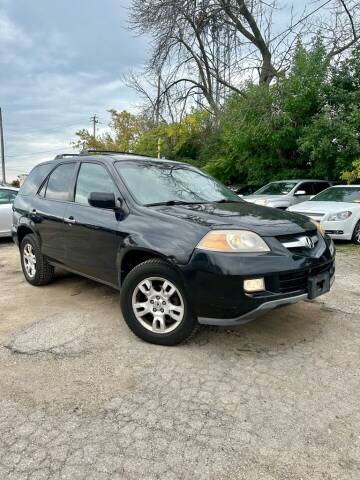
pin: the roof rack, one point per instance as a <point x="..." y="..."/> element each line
<point x="93" y="151"/>
<point x="62" y="155"/>
<point x="110" y="152"/>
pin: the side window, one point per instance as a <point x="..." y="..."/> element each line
<point x="60" y="182"/>
<point x="306" y="187"/>
<point x="4" y="197"/>
<point x="320" y="186"/>
<point x="35" y="179"/>
<point x="92" y="178"/>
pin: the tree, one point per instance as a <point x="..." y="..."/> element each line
<point x="354" y="174"/>
<point x="214" y="47"/>
<point x="305" y="125"/>
<point x="125" y="130"/>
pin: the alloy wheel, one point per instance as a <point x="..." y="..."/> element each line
<point x="29" y="260"/>
<point x="158" y="305"/>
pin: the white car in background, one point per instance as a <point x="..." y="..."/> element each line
<point x="285" y="193"/>
<point x="7" y="197"/>
<point x="337" y="209"/>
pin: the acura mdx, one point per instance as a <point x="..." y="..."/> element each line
<point x="182" y="248"/>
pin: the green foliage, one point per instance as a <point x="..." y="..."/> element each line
<point x="354" y="174"/>
<point x="125" y="131"/>
<point x="306" y="125"/>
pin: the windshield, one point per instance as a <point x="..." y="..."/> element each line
<point x="339" y="194"/>
<point x="155" y="182"/>
<point x="276" y="188"/>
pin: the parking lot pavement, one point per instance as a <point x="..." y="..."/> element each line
<point x="82" y="398"/>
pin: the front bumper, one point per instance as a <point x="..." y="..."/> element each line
<point x="248" y="317"/>
<point x="214" y="282"/>
<point x="338" y="230"/>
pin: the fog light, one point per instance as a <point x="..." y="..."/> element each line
<point x="254" y="285"/>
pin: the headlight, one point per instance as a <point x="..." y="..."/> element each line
<point x="233" y="241"/>
<point x="333" y="217"/>
<point x="318" y="226"/>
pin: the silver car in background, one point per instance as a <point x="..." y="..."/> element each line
<point x="285" y="193"/>
<point x="7" y="197"/>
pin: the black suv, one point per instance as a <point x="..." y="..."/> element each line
<point x="181" y="248"/>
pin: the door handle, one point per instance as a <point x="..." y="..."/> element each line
<point x="70" y="220"/>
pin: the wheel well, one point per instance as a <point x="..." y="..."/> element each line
<point x="22" y="231"/>
<point x="134" y="258"/>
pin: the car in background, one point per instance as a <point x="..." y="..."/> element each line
<point x="283" y="194"/>
<point x="7" y="197"/>
<point x="244" y="190"/>
<point x="337" y="209"/>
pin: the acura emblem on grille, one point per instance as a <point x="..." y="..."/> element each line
<point x="308" y="242"/>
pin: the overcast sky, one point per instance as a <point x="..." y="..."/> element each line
<point x="61" y="62"/>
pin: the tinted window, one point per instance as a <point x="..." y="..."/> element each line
<point x="60" y="182"/>
<point x="6" y="197"/>
<point x="306" y="187"/>
<point x="92" y="178"/>
<point x="320" y="186"/>
<point x="35" y="179"/>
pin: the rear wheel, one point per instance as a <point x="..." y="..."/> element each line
<point x="154" y="304"/>
<point x="356" y="234"/>
<point x="36" y="269"/>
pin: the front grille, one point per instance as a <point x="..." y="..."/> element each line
<point x="334" y="232"/>
<point x="297" y="243"/>
<point x="293" y="282"/>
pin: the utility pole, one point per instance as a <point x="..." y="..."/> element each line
<point x="2" y="149"/>
<point x="94" y="119"/>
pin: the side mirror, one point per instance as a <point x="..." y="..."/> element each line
<point x="102" y="200"/>
<point x="300" y="192"/>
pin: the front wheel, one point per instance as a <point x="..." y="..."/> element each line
<point x="154" y="304"/>
<point x="356" y="234"/>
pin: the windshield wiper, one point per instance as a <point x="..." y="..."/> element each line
<point x="173" y="202"/>
<point x="224" y="200"/>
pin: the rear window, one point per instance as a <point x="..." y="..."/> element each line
<point x="35" y="179"/>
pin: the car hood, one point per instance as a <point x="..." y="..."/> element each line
<point x="262" y="220"/>
<point x="324" y="207"/>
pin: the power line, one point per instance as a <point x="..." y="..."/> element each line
<point x="18" y="155"/>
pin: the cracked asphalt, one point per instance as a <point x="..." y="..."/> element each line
<point x="82" y="398"/>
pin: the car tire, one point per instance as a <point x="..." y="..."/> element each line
<point x="35" y="267"/>
<point x="154" y="286"/>
<point x="356" y="234"/>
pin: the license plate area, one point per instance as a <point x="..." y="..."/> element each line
<point x="318" y="285"/>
